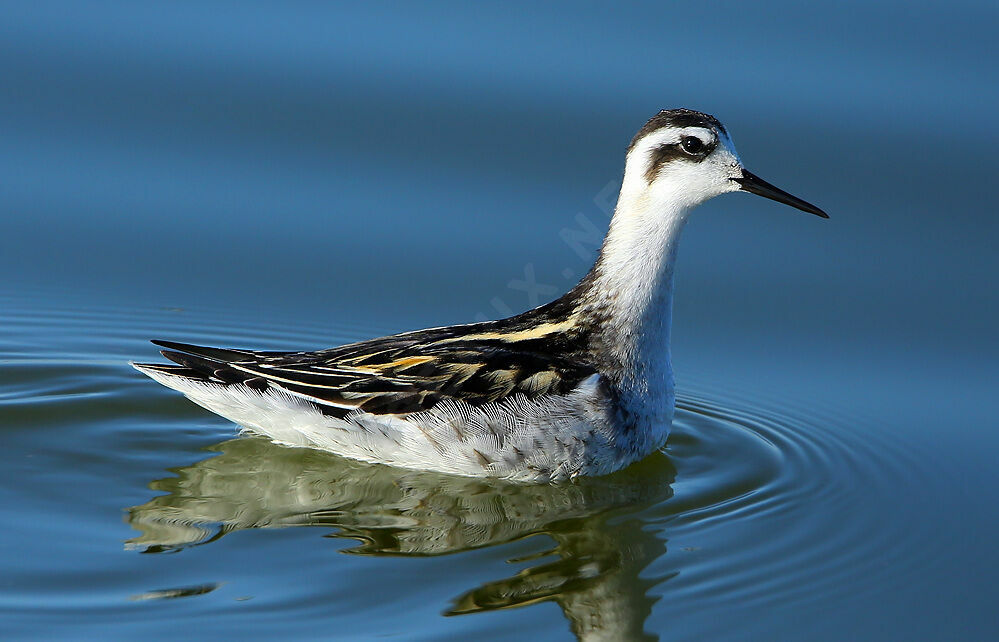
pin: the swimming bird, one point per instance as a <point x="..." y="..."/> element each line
<point x="580" y="386"/>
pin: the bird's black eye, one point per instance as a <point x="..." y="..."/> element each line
<point x="691" y="145"/>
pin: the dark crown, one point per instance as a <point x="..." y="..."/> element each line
<point x="677" y="118"/>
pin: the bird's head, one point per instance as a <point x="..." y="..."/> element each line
<point x="681" y="158"/>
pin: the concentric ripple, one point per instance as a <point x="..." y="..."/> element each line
<point x="796" y="487"/>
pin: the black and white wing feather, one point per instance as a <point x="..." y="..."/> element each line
<point x="396" y="375"/>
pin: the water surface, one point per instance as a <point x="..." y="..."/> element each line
<point x="294" y="178"/>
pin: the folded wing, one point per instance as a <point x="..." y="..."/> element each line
<point x="397" y="375"/>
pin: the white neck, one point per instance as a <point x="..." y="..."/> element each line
<point x="632" y="293"/>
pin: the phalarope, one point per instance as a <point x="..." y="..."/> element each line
<point x="579" y="386"/>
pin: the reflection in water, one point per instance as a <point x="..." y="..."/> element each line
<point x="600" y="551"/>
<point x="174" y="593"/>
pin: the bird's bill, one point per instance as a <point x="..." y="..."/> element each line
<point x="755" y="185"/>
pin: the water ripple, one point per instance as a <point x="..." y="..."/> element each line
<point x="806" y="475"/>
<point x="754" y="502"/>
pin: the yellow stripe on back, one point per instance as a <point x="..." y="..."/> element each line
<point x="406" y="362"/>
<point x="536" y="332"/>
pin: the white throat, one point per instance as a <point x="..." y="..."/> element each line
<point x="632" y="293"/>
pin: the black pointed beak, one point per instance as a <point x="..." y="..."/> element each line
<point x="755" y="185"/>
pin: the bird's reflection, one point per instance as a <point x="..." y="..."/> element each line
<point x="592" y="572"/>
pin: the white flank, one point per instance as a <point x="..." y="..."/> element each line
<point x="551" y="438"/>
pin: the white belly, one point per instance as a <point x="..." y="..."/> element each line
<point x="551" y="438"/>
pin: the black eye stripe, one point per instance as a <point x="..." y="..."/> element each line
<point x="660" y="156"/>
<point x="675" y="151"/>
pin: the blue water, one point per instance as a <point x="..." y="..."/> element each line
<point x="278" y="177"/>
